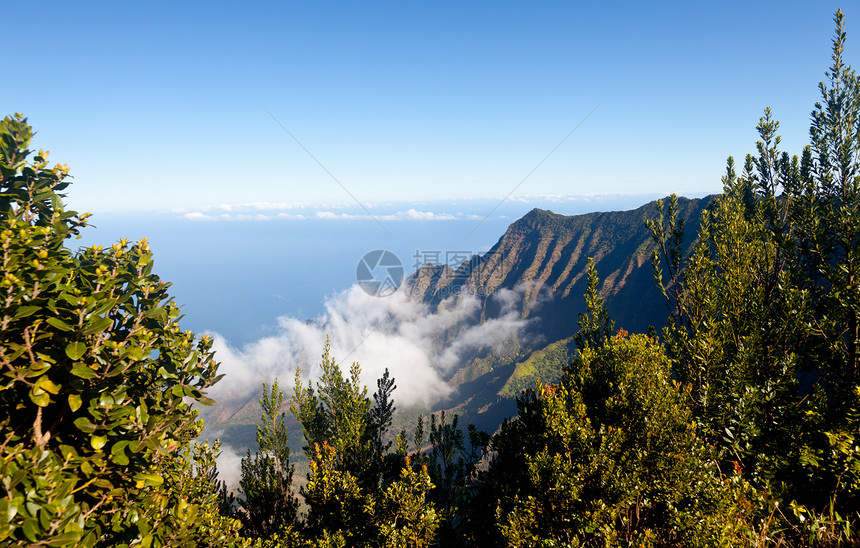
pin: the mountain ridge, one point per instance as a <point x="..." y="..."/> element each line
<point x="549" y="252"/>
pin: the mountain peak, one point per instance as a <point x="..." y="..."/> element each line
<point x="537" y="217"/>
<point x="545" y="255"/>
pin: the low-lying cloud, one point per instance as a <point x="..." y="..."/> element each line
<point x="417" y="344"/>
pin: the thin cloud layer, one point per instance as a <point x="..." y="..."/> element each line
<point x="431" y="210"/>
<point x="408" y="215"/>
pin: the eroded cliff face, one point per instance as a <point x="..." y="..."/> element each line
<point x="543" y="258"/>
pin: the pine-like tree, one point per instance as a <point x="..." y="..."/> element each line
<point x="595" y="326"/>
<point x="267" y="502"/>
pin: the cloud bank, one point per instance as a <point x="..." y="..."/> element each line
<point x="417" y="345"/>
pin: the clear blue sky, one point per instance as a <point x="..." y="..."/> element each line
<point x="163" y="105"/>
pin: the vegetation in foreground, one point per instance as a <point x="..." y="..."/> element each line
<point x="740" y="428"/>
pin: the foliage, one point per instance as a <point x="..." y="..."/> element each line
<point x="595" y="326"/>
<point x="667" y="230"/>
<point x="741" y="428"/>
<point x="336" y="412"/>
<point x="379" y="469"/>
<point x="408" y="517"/>
<point x="611" y="455"/>
<point x="98" y="380"/>
<point x="734" y="339"/>
<point x="546" y="364"/>
<point x="452" y="461"/>
<point x="268" y="501"/>
<point x="825" y="213"/>
<point x="189" y="499"/>
<point x="336" y="502"/>
<point x="358" y="492"/>
<point x="765" y="327"/>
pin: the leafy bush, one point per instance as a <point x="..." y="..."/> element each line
<point x="610" y="455"/>
<point x="97" y="383"/>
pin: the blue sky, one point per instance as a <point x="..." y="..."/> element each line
<point x="166" y="105"/>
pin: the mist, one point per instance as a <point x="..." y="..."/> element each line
<point x="418" y="345"/>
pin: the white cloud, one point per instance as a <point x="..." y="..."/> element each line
<point x="329" y="215"/>
<point x="408" y="215"/>
<point x="395" y="332"/>
<point x="229" y="464"/>
<point x="197" y="216"/>
<point x="415" y="215"/>
<point x="417" y="344"/>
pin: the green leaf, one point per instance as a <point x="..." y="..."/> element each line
<point x="101" y="308"/>
<point x="165" y="374"/>
<point x="153" y="480"/>
<point x="30" y="529"/>
<point x="25" y="311"/>
<point x="47" y="385"/>
<point x="68" y="452"/>
<point x="60" y="324"/>
<point x="135" y="353"/>
<point x="82" y="371"/>
<point x="103" y="484"/>
<point x="98" y="442"/>
<point x="97" y="325"/>
<point x="74" y="401"/>
<point x="75" y="350"/>
<point x="89" y="541"/>
<point x="11" y="509"/>
<point x="40" y="397"/>
<point x="65" y="539"/>
<point x="84" y="425"/>
<point x="44" y="519"/>
<point x="32" y="508"/>
<point x="118" y="452"/>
